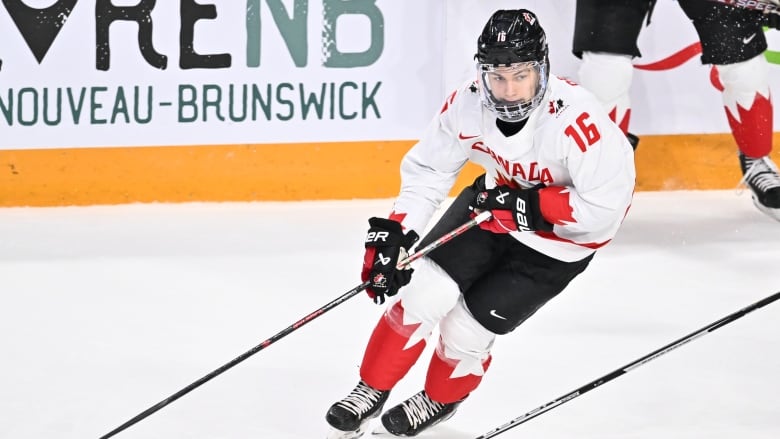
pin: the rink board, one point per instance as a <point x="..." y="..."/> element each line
<point x="293" y="172"/>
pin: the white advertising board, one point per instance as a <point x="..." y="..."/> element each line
<point x="181" y="72"/>
<point x="82" y="73"/>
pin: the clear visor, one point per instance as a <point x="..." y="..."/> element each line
<point x="514" y="90"/>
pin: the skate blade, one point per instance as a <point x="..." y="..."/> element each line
<point x="768" y="211"/>
<point x="339" y="434"/>
<point x="335" y="433"/>
<point x="381" y="431"/>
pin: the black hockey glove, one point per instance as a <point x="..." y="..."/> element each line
<point x="514" y="210"/>
<point x="386" y="244"/>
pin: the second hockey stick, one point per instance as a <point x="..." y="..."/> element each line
<point x="630" y="366"/>
<point x="320" y="311"/>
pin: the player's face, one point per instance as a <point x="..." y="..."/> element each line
<point x="516" y="83"/>
<point x="512" y="91"/>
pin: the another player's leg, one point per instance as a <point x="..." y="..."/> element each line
<point x="749" y="111"/>
<point x="605" y="37"/>
<point x="763" y="178"/>
<point x="733" y="40"/>
<point x="608" y="76"/>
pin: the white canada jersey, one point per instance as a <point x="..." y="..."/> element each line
<point x="568" y="143"/>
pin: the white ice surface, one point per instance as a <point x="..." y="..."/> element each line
<point x="106" y="311"/>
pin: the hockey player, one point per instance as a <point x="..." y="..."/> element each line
<point x="732" y="40"/>
<point x="559" y="178"/>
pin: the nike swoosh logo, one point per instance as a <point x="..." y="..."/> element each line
<point x="748" y="39"/>
<point x="462" y="137"/>
<point x="495" y="314"/>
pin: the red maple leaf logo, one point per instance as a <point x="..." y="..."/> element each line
<point x="503" y="181"/>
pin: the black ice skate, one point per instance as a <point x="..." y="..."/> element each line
<point x="349" y="416"/>
<point x="416" y="414"/>
<point x="761" y="176"/>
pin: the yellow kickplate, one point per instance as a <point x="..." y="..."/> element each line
<point x="293" y="172"/>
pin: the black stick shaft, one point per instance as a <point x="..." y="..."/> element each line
<point x="629" y="367"/>
<point x="283" y="333"/>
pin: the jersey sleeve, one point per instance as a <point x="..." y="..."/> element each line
<point x="429" y="169"/>
<point x="601" y="165"/>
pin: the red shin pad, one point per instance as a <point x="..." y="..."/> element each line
<point x="439" y="385"/>
<point x="386" y="361"/>
<point x="752" y="128"/>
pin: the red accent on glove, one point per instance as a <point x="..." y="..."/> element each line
<point x="368" y="262"/>
<point x="502" y="221"/>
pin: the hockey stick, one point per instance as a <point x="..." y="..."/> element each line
<point x="629" y="367"/>
<point x="336" y="302"/>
